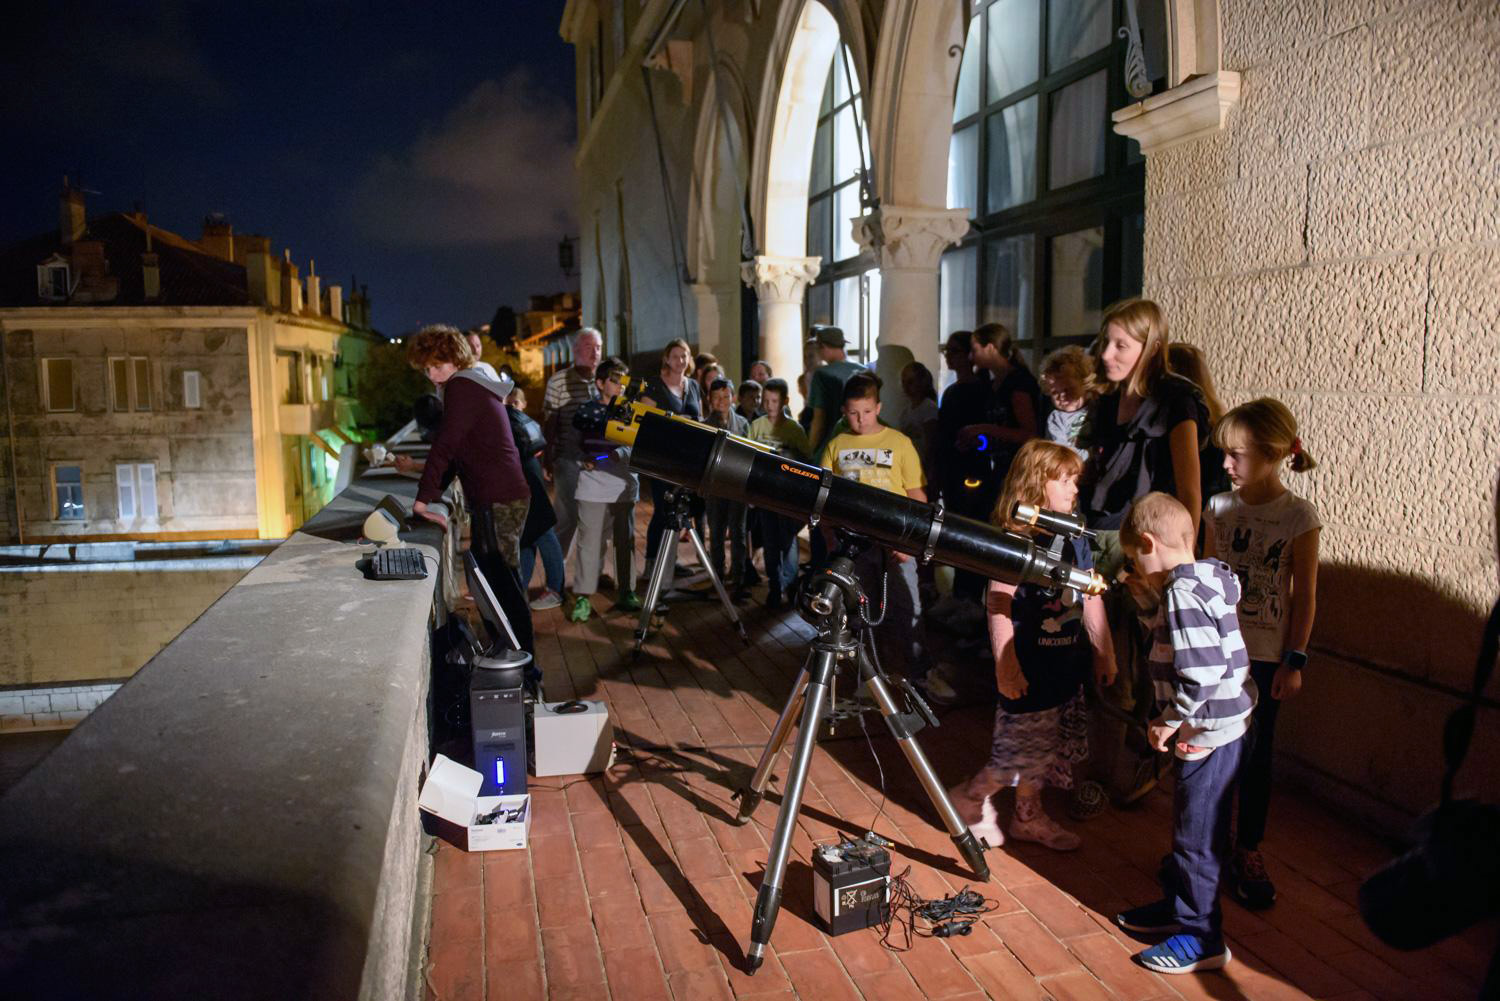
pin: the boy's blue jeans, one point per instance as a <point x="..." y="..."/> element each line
<point x="779" y="535"/>
<point x="1201" y="809"/>
<point x="550" y="548"/>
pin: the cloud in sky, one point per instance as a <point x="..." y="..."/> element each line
<point x="497" y="170"/>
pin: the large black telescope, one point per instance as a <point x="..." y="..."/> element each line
<point x="714" y="463"/>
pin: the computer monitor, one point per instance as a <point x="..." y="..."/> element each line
<point x="501" y="635"/>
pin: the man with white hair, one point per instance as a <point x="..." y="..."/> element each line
<point x="567" y="390"/>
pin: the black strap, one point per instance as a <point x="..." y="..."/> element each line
<point x="933" y="531"/>
<point x="823" y="483"/>
<point x="1458" y="732"/>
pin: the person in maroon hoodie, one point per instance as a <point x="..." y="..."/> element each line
<point x="475" y="441"/>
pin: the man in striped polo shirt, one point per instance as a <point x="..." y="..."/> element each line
<point x="1204" y="694"/>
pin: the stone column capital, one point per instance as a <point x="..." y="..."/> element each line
<point x="780" y="279"/>
<point x="908" y="237"/>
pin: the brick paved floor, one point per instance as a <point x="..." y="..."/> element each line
<point x="637" y="885"/>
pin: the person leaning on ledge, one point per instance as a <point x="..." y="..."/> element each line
<point x="475" y="438"/>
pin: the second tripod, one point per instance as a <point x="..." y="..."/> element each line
<point x="680" y="519"/>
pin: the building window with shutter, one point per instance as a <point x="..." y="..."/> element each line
<point x="135" y="490"/>
<point x="191" y="392"/>
<point x="57" y="385"/>
<point x="129" y="384"/>
<point x="67" y="492"/>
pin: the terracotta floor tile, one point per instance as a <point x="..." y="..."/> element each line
<point x="561" y="900"/>
<point x="636" y="974"/>
<point x="892" y="985"/>
<point x="817" y="976"/>
<point x="1049" y="905"/>
<point x="518" y="979"/>
<point x="571" y="955"/>
<point x="681" y="944"/>
<point x="1003" y="976"/>
<point x="455" y="971"/>
<point x="456" y="868"/>
<point x="706" y="984"/>
<point x="1033" y="945"/>
<point x="1108" y="959"/>
<point x="457" y="914"/>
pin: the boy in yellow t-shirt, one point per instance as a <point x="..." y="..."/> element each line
<point x="883" y="457"/>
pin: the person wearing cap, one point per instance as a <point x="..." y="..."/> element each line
<point x="826" y="387"/>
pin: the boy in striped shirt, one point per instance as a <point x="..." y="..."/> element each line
<point x="1201" y="675"/>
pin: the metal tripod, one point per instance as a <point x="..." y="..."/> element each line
<point x="680" y="519"/>
<point x="828" y="602"/>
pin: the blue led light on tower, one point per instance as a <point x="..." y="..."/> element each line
<point x="497" y="716"/>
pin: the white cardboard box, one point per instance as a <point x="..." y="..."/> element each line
<point x="577" y="743"/>
<point x="451" y="793"/>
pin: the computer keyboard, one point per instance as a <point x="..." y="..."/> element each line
<point x="397" y="564"/>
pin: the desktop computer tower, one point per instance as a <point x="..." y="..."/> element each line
<point x="497" y="715"/>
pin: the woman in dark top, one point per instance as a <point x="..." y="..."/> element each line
<point x="1007" y="420"/>
<point x="1145" y="433"/>
<point x="674" y="390"/>
<point x="475" y="437"/>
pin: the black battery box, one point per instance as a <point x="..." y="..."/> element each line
<point x="851" y="885"/>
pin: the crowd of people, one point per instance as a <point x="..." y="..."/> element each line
<point x="1212" y="559"/>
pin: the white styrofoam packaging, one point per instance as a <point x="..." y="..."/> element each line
<point x="577" y="743"/>
<point x="451" y="792"/>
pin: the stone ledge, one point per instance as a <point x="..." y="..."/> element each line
<point x="1194" y="108"/>
<point x="240" y="820"/>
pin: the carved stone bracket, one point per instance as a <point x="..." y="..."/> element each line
<point x="907" y="238"/>
<point x="780" y="279"/>
<point x="1194" y="108"/>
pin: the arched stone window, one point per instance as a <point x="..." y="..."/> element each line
<point x="1056" y="197"/>
<point x="846" y="292"/>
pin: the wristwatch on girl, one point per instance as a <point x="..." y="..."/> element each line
<point x="1295" y="659"/>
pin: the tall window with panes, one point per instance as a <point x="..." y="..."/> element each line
<point x="1057" y="199"/>
<point x="846" y="292"/>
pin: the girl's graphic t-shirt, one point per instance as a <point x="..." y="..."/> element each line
<point x="1256" y="541"/>
<point x="1051" y="643"/>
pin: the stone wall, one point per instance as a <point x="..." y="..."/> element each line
<point x="1338" y="246"/>
<point x="104" y="621"/>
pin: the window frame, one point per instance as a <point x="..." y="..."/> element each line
<point x="136" y="401"/>
<point x="134" y="476"/>
<point x="192" y="389"/>
<point x="1109" y="200"/>
<point x="862" y="343"/>
<point x="46" y="385"/>
<point x="46" y="274"/>
<point x="56" y="498"/>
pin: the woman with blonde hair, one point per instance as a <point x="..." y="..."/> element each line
<point x="1145" y="432"/>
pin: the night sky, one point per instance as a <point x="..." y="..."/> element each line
<point x="426" y="148"/>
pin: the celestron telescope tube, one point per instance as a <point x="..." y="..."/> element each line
<point x="717" y="464"/>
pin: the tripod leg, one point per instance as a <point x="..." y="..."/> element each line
<point x="750" y="796"/>
<point x="768" y="900"/>
<point x="660" y="571"/>
<point x="959" y="831"/>
<point x="713" y="575"/>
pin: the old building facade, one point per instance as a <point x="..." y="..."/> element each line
<point x="1309" y="189"/>
<point x="163" y="388"/>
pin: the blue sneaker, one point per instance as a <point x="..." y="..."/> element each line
<point x="1183" y="954"/>
<point x="1151" y="919"/>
